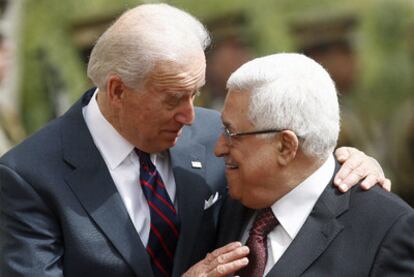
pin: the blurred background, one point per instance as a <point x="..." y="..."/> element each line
<point x="367" y="47"/>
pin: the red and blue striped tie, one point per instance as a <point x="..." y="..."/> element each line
<point x="164" y="229"/>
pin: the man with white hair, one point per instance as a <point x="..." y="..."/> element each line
<point x="281" y="124"/>
<point x="126" y="182"/>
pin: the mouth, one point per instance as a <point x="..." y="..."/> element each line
<point x="176" y="133"/>
<point x="231" y="165"/>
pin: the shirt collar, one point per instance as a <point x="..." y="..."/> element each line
<point x="113" y="147"/>
<point x="293" y="208"/>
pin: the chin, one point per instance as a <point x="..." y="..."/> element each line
<point x="171" y="143"/>
<point x="167" y="141"/>
<point x="255" y="205"/>
<point x="251" y="200"/>
<point x="247" y="202"/>
<point x="234" y="195"/>
<point x="171" y="140"/>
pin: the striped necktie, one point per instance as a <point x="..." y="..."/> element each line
<point x="164" y="228"/>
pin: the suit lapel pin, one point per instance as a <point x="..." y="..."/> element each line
<point x="196" y="164"/>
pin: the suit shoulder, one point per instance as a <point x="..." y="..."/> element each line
<point x="46" y="143"/>
<point x="41" y="145"/>
<point x="379" y="203"/>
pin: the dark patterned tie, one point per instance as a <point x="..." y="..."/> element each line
<point x="257" y="242"/>
<point x="164" y="228"/>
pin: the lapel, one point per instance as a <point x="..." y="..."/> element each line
<point x="234" y="219"/>
<point x="93" y="186"/>
<point x="192" y="191"/>
<point x="319" y="230"/>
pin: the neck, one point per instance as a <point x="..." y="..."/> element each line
<point x="103" y="105"/>
<point x="300" y="169"/>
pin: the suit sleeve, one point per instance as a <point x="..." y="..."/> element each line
<point x="30" y="237"/>
<point x="396" y="254"/>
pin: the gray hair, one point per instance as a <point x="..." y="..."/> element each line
<point x="292" y="91"/>
<point x="140" y="38"/>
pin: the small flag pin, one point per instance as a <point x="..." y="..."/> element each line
<point x="196" y="164"/>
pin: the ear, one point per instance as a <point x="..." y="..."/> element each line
<point x="287" y="147"/>
<point x="116" y="91"/>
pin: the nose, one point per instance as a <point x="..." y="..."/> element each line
<point x="222" y="149"/>
<point x="185" y="114"/>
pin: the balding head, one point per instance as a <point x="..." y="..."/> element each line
<point x="143" y="37"/>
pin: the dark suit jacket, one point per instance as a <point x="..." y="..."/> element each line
<point x="61" y="213"/>
<point x="359" y="233"/>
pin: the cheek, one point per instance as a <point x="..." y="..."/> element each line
<point x="253" y="168"/>
<point x="255" y="171"/>
<point x="142" y="115"/>
<point x="133" y="120"/>
<point x="234" y="184"/>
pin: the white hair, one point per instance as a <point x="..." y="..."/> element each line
<point x="140" y="38"/>
<point x="292" y="91"/>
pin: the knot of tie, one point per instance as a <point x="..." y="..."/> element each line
<point x="264" y="223"/>
<point x="144" y="158"/>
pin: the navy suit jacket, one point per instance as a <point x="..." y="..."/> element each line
<point x="61" y="214"/>
<point x="358" y="233"/>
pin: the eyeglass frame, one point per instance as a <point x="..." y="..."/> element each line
<point x="227" y="134"/>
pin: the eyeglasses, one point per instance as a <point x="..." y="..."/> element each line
<point x="228" y="135"/>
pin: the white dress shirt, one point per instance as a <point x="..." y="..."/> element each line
<point x="123" y="165"/>
<point x="292" y="210"/>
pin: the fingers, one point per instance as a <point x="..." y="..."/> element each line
<point x="222" y="250"/>
<point x="357" y="167"/>
<point x="342" y="153"/>
<point x="371" y="181"/>
<point x="385" y="183"/>
<point x="223" y="258"/>
<point x="352" y="171"/>
<point x="228" y="268"/>
<point x="220" y="262"/>
<point x="226" y="260"/>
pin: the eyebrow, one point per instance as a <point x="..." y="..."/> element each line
<point x="175" y="94"/>
<point x="226" y="124"/>
<point x="178" y="93"/>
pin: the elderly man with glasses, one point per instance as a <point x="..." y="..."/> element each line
<point x="281" y="124"/>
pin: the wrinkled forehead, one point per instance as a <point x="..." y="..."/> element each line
<point x="188" y="74"/>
